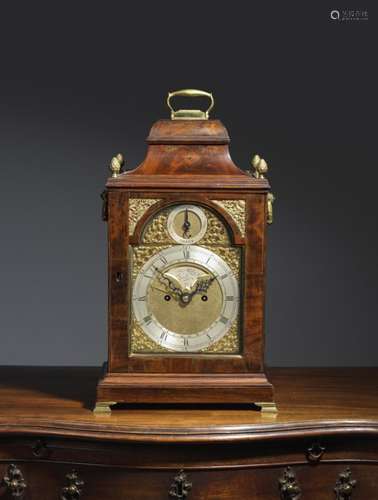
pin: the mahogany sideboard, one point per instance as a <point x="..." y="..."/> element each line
<point x="322" y="445"/>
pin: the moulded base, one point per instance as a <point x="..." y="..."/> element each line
<point x="171" y="388"/>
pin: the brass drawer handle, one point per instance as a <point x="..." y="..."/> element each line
<point x="180" y="487"/>
<point x="39" y="449"/>
<point x="288" y="485"/>
<point x="73" y="490"/>
<point x="14" y="481"/>
<point x="315" y="453"/>
<point x="345" y="485"/>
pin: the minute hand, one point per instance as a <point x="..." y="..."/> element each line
<point x="202" y="285"/>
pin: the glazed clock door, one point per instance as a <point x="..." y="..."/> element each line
<point x="185" y="288"/>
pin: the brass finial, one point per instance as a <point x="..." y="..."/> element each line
<point x="116" y="164"/>
<point x="260" y="167"/>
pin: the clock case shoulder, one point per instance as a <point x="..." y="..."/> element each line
<point x="186" y="161"/>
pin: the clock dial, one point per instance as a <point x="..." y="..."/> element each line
<point x="185" y="298"/>
<point x="187" y="224"/>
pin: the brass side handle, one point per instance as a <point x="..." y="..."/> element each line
<point x="105" y="205"/>
<point x="269" y="201"/>
<point x="190" y="114"/>
<point x="14" y="481"/>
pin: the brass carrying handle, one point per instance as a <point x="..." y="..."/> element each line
<point x="190" y="114"/>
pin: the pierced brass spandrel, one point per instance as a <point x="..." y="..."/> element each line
<point x="232" y="256"/>
<point x="216" y="233"/>
<point x="141" y="343"/>
<point x="236" y="210"/>
<point x="229" y="344"/>
<point x="156" y="231"/>
<point x="137" y="208"/>
<point x="141" y="254"/>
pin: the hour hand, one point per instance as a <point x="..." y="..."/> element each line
<point x="186" y="226"/>
<point x="173" y="284"/>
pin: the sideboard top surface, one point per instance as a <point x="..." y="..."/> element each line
<point x="57" y="401"/>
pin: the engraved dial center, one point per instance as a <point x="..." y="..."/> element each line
<point x="186" y="313"/>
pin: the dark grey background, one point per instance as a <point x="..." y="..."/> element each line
<point x="80" y="82"/>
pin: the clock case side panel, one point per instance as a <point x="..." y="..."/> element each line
<point x="118" y="278"/>
<point x="254" y="282"/>
<point x="203" y="379"/>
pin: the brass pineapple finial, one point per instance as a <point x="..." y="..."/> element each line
<point x="116" y="164"/>
<point x="260" y="167"/>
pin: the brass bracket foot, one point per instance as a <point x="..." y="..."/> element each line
<point x="267" y="407"/>
<point x="103" y="407"/>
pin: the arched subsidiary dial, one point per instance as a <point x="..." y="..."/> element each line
<point x="187" y="224"/>
<point x="185" y="298"/>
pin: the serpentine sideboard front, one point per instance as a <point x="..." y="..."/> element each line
<point x="322" y="445"/>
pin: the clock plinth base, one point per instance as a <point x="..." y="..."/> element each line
<point x="171" y="388"/>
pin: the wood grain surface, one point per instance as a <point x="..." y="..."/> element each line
<point x="58" y="401"/>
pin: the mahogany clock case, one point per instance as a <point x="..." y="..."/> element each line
<point x="187" y="161"/>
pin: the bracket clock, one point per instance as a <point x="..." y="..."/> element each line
<point x="187" y="240"/>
